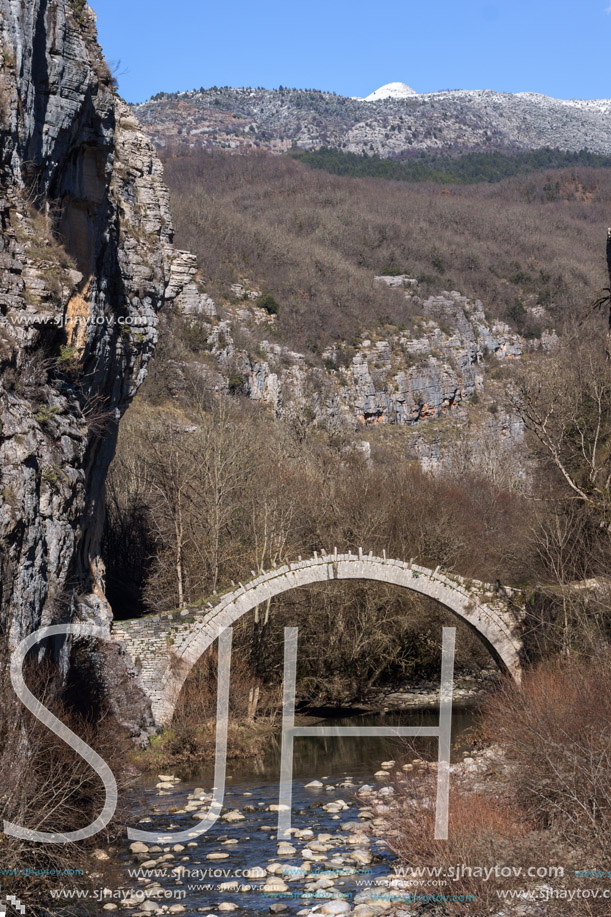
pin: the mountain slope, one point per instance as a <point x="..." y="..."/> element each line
<point x="450" y="121"/>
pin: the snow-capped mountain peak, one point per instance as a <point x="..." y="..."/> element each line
<point x="391" y="91"/>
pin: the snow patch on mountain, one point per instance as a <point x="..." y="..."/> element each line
<point x="391" y="91"/>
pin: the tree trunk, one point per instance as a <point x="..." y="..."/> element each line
<point x="253" y="702"/>
<point x="608" y="346"/>
<point x="179" y="537"/>
<point x="258" y="638"/>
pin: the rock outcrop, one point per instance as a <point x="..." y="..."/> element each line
<point x="86" y="257"/>
<point x="435" y="379"/>
<point x="401" y="379"/>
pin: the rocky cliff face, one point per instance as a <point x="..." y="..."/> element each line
<point x="86" y="257"/>
<point x="427" y="379"/>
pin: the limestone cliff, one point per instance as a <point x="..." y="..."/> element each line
<point x="435" y="380"/>
<point x="86" y="257"/>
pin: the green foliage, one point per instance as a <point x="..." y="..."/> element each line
<point x="8" y="57"/>
<point x="68" y="359"/>
<point x="520" y="278"/>
<point x="8" y="495"/>
<point x="552" y="191"/>
<point x="438" y="264"/>
<point x="517" y="313"/>
<point x="46" y="414"/>
<point x="78" y="8"/>
<point x="194" y="335"/>
<point x="390" y="272"/>
<point x="266" y="301"/>
<point x="236" y="381"/>
<point x="52" y="474"/>
<point x="532" y="330"/>
<point x="470" y="168"/>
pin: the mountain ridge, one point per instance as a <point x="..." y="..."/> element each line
<point x="449" y="121"/>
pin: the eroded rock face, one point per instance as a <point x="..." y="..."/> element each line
<point x="399" y="381"/>
<point x="85" y="251"/>
<point x="434" y="379"/>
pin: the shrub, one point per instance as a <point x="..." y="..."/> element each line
<point x="438" y="264"/>
<point x="48" y="787"/>
<point x="79" y="8"/>
<point x="556" y="729"/>
<point x="266" y="301"/>
<point x="236" y="381"/>
<point x="68" y="359"/>
<point x="390" y="272"/>
<point x="47" y="414"/>
<point x="543" y="799"/>
<point x="483" y="831"/>
<point x="516" y="313"/>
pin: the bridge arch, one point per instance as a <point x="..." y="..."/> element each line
<point x="171" y="648"/>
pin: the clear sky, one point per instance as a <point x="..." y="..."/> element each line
<point x="558" y="48"/>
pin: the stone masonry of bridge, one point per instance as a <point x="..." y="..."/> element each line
<point x="165" y="647"/>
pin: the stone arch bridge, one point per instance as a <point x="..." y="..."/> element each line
<point x="164" y="648"/>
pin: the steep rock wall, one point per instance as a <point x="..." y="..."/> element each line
<point x="85" y="252"/>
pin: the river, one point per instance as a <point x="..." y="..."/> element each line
<point x="332" y="855"/>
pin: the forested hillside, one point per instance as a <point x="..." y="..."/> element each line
<point x="315" y="241"/>
<point x="467" y="169"/>
<point x="450" y="122"/>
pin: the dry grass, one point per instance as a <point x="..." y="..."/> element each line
<point x="492" y="845"/>
<point x="483" y="832"/>
<point x="556" y="730"/>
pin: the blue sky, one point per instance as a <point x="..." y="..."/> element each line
<point x="558" y="48"/>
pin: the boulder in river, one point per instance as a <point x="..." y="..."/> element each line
<point x="138" y="847"/>
<point x="339" y="906"/>
<point x="286" y="850"/>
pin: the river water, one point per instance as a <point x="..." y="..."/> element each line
<point x="331" y="856"/>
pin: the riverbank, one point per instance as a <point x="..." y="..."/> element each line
<point x="468" y="688"/>
<point x="188" y="744"/>
<point x="179" y="747"/>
